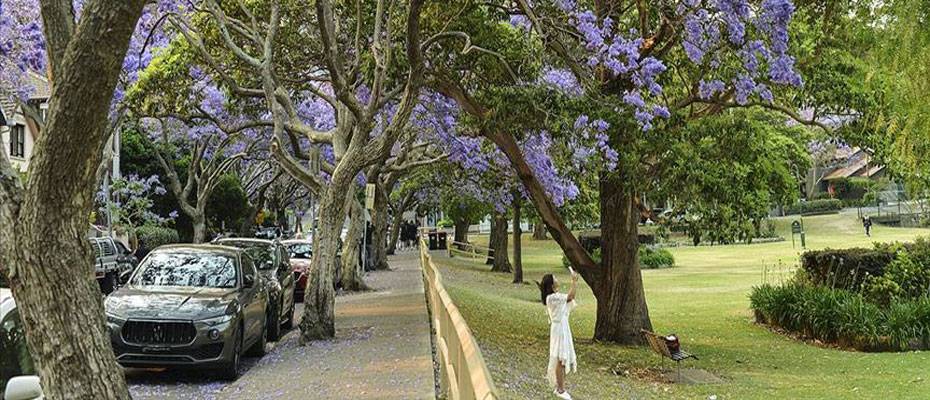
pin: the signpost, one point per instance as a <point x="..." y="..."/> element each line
<point x="797" y="228"/>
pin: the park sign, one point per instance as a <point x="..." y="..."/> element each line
<point x="797" y="228"/>
<point x="370" y="196"/>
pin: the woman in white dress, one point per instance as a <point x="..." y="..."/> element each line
<point x="561" y="345"/>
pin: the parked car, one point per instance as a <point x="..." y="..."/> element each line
<point x="126" y="260"/>
<point x="190" y="306"/>
<point x="106" y="263"/>
<point x="273" y="263"/>
<point x="300" y="252"/>
<point x="16" y="367"/>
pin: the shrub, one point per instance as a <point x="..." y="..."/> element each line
<point x="845" y="268"/>
<point x="649" y="258"/>
<point x="843" y="317"/>
<point x="151" y="236"/>
<point x="654" y="258"/>
<point x="815" y="206"/>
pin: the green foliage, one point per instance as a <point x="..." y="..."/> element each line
<point x="151" y="237"/>
<point x="649" y="258"/>
<point x="726" y="173"/>
<point x="655" y="257"/>
<point x="845" y="268"/>
<point x="844" y="317"/>
<point x="815" y="207"/>
<point x="907" y="276"/>
<point x="228" y="205"/>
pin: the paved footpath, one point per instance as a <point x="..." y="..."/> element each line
<point x="381" y="351"/>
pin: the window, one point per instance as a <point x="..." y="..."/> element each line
<point x="248" y="268"/>
<point x="18" y="141"/>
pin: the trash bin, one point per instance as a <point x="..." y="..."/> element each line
<point x="433" y="241"/>
<point x="442" y="240"/>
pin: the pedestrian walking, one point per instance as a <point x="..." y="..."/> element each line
<point x="562" y="357"/>
<point x="867" y="224"/>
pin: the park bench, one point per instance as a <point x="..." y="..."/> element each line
<point x="658" y="345"/>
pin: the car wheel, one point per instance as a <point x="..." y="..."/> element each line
<point x="230" y="370"/>
<point x="274" y="323"/>
<point x="258" y="349"/>
<point x="289" y="323"/>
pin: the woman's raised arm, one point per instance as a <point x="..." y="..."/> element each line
<point x="571" y="290"/>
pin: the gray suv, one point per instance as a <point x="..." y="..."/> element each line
<point x="190" y="306"/>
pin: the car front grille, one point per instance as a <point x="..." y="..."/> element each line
<point x="158" y="333"/>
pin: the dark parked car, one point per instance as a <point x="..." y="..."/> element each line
<point x="126" y="259"/>
<point x="190" y="306"/>
<point x="273" y="262"/>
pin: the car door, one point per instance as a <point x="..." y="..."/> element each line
<point x="285" y="277"/>
<point x="252" y="300"/>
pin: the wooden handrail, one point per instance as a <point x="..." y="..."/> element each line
<point x="462" y="370"/>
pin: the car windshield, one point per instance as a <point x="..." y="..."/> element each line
<point x="261" y="253"/>
<point x="299" y="250"/>
<point x="193" y="269"/>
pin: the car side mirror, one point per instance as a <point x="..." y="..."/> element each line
<point x="248" y="281"/>
<point x="124" y="277"/>
<point x="24" y="388"/>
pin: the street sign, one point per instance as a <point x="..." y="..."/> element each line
<point x="370" y="196"/>
<point x="796" y="227"/>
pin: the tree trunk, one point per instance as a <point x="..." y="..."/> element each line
<point x="379" y="222"/>
<point x="501" y="259"/>
<point x="351" y="256"/>
<point x="517" y="245"/>
<point x="43" y="227"/>
<point x="539" y="231"/>
<point x="199" y="222"/>
<point x="398" y="221"/>
<point x="461" y="232"/>
<point x="318" y="321"/>
<point x="621" y="301"/>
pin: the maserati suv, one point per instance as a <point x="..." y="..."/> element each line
<point x="190" y="306"/>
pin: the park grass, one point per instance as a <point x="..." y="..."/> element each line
<point x="704" y="299"/>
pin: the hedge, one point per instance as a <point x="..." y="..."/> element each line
<point x="843" y="317"/>
<point x="845" y="268"/>
<point x="151" y="237"/>
<point x="649" y="258"/>
<point x="815" y="207"/>
<point x="654" y="258"/>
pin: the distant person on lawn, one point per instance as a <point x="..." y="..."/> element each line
<point x="867" y="224"/>
<point x="561" y="345"/>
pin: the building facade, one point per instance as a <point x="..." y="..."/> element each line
<point x="20" y="129"/>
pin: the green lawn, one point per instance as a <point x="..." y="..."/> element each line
<point x="704" y="299"/>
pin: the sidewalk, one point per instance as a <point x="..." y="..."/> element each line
<point x="381" y="350"/>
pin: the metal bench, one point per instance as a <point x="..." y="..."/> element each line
<point x="658" y="345"/>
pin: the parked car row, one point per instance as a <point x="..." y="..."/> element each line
<point x="184" y="306"/>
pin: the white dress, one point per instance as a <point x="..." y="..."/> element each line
<point x="561" y="344"/>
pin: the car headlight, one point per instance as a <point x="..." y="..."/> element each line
<point x="114" y="319"/>
<point x="217" y="320"/>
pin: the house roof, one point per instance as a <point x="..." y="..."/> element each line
<point x="849" y="170"/>
<point x="40" y="92"/>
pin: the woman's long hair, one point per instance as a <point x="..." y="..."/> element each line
<point x="545" y="287"/>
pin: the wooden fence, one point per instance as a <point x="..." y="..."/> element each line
<point x="462" y="372"/>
